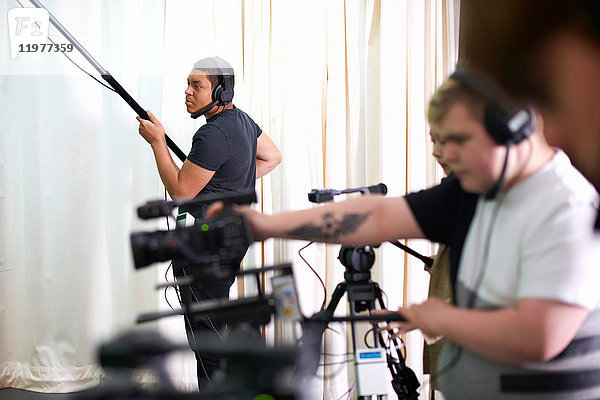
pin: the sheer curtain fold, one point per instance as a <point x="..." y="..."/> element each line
<point x="341" y="86"/>
<point x="68" y="196"/>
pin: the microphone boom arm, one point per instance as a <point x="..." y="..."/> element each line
<point x="427" y="260"/>
<point x="108" y="77"/>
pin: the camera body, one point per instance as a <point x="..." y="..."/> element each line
<point x="222" y="239"/>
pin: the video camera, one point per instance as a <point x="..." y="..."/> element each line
<point x="223" y="239"/>
<point x="208" y="247"/>
<point x="251" y="370"/>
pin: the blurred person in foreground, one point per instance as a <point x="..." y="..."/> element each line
<point x="547" y="51"/>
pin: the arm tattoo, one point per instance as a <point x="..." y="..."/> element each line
<point x="331" y="229"/>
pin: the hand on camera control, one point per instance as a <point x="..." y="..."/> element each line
<point x="255" y="218"/>
<point x="425" y="316"/>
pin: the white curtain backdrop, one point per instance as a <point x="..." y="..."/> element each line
<point x="340" y="86"/>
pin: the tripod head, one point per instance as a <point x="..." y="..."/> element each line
<point x="358" y="262"/>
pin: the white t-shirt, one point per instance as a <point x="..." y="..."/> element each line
<point x="532" y="241"/>
<point x="539" y="233"/>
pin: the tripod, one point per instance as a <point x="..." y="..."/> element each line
<point x="362" y="294"/>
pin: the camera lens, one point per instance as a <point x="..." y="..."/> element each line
<point x="149" y="247"/>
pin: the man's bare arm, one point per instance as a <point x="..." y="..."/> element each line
<point x="364" y="220"/>
<point x="268" y="155"/>
<point x="182" y="184"/>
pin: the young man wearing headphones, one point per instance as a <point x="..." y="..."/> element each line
<point x="228" y="154"/>
<point x="516" y="216"/>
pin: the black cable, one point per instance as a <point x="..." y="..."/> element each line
<point x="169" y="267"/>
<point x="64" y="53"/>
<point x="81" y="68"/>
<point x="337" y="355"/>
<point x="367" y="335"/>
<point x="166" y="216"/>
<point x="335" y="373"/>
<point x="498" y="185"/>
<point x="473" y="297"/>
<point x="333" y="330"/>
<point x="346" y="361"/>
<point x="348" y="392"/>
<point x="179" y="298"/>
<point x="317" y="275"/>
<point x="173" y="286"/>
<point x="385" y="302"/>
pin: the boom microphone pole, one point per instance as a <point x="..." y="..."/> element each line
<point x="108" y="77"/>
<point x="427" y="260"/>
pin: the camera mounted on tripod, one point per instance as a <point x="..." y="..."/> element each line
<point x="363" y="295"/>
<point x="211" y="249"/>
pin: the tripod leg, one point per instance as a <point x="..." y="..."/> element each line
<point x="339" y="291"/>
<point x="314" y="327"/>
<point x="353" y="327"/>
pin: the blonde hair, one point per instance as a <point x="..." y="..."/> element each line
<point x="451" y="92"/>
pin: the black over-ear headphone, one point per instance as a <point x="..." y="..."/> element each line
<point x="223" y="92"/>
<point x="505" y="121"/>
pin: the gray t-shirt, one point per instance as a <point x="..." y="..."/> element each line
<point x="226" y="144"/>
